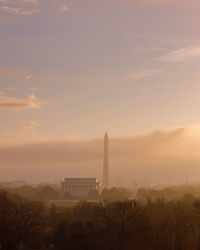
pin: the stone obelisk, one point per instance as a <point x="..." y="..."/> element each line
<point x="105" y="163"/>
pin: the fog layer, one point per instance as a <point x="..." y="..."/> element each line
<point x="162" y="156"/>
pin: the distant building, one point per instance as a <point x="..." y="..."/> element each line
<point x="79" y="186"/>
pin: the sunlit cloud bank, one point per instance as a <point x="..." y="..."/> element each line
<point x="29" y="102"/>
<point x="163" y="156"/>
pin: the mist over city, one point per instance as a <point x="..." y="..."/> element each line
<point x="169" y="156"/>
<point x="99" y="125"/>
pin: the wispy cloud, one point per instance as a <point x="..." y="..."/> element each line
<point x="15" y="73"/>
<point x="14" y="2"/>
<point x="19" y="7"/>
<point x="143" y="49"/>
<point x="29" y="102"/>
<point x="20" y="11"/>
<point x="10" y="9"/>
<point x="184" y="55"/>
<point x="8" y="89"/>
<point x="140" y="75"/>
<point x="31" y="7"/>
<point x="102" y="84"/>
<point x="28" y="77"/>
<point x="64" y="8"/>
<point x="29" y="125"/>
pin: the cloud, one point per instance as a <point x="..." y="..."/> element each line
<point x="29" y="102"/>
<point x="109" y="82"/>
<point x="15" y="74"/>
<point x="29" y="12"/>
<point x="28" y="77"/>
<point x="20" y="11"/>
<point x="19" y="7"/>
<point x="31" y="7"/>
<point x="64" y="8"/>
<point x="184" y="55"/>
<point x="142" y="49"/>
<point x="14" y="2"/>
<point x="10" y="9"/>
<point x="140" y="75"/>
<point x="29" y="125"/>
<point x="8" y="89"/>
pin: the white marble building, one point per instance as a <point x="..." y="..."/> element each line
<point x="79" y="186"/>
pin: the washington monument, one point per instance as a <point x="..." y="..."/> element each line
<point x="105" y="163"/>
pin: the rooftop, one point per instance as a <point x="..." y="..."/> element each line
<point x="72" y="180"/>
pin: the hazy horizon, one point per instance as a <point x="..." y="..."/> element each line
<point x="167" y="156"/>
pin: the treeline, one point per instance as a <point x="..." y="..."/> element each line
<point x="46" y="193"/>
<point x="119" y="225"/>
<point x="43" y="193"/>
<point x="168" y="193"/>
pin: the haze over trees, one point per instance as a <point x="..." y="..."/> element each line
<point x="118" y="223"/>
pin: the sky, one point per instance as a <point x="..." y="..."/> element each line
<point x="72" y="69"/>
